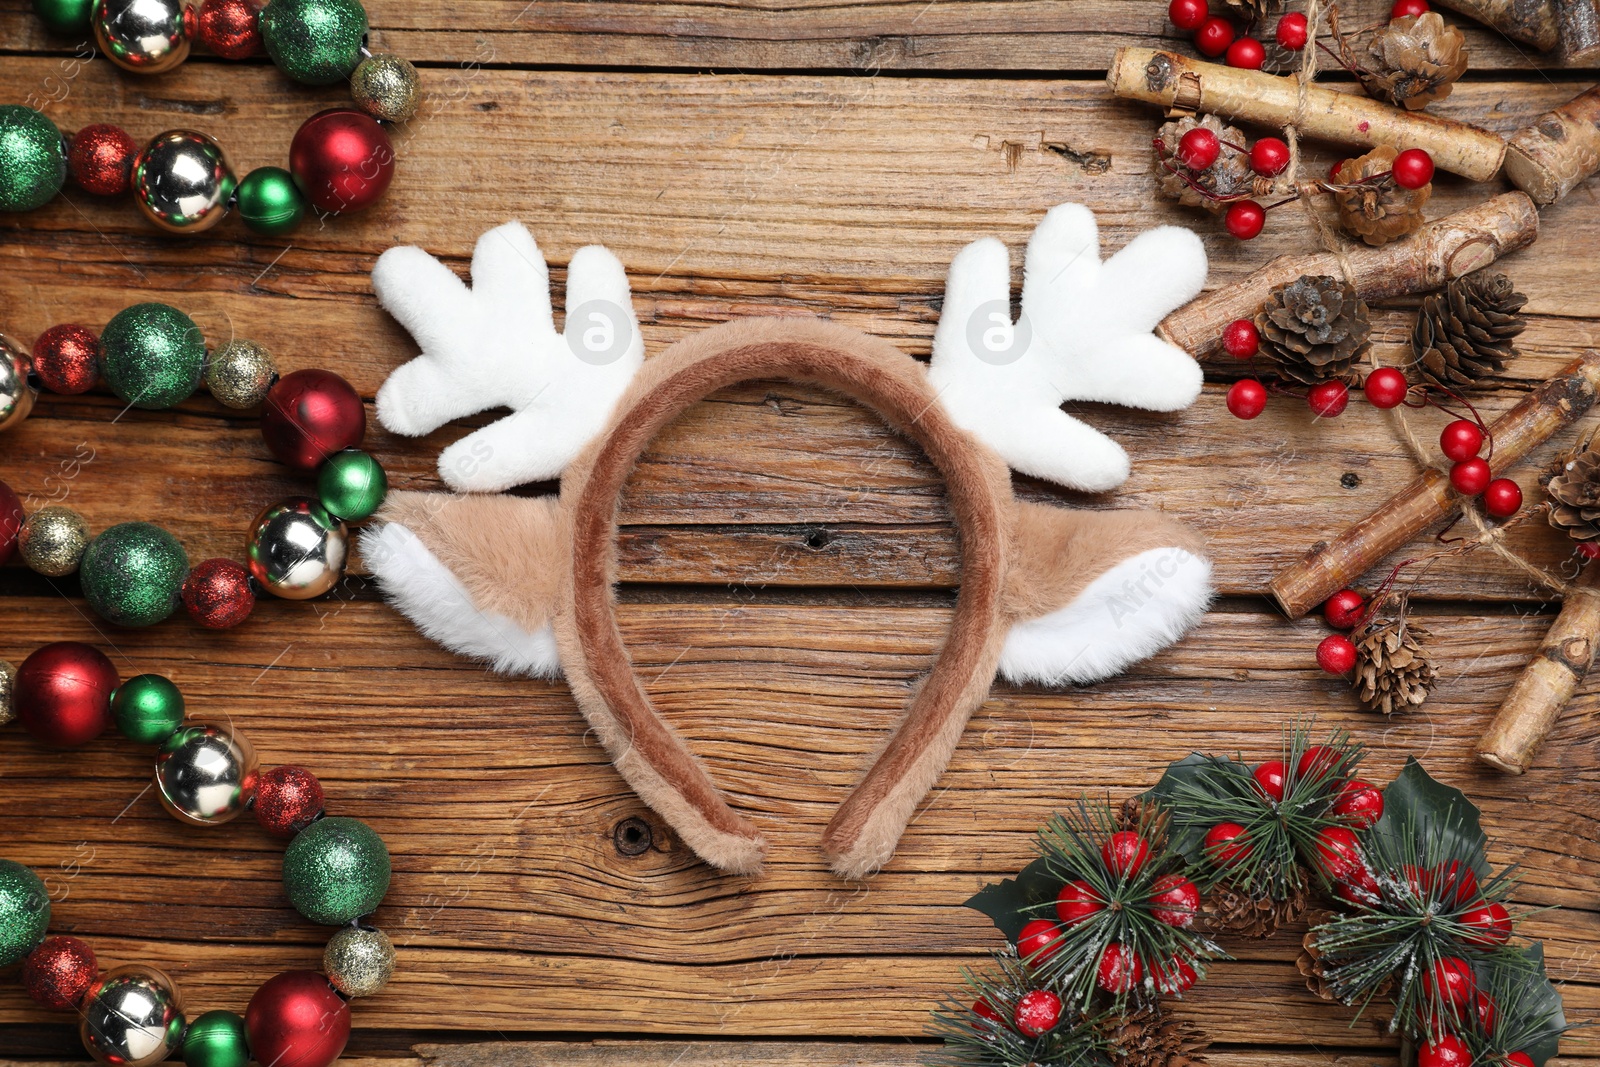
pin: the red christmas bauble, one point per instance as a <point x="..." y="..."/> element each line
<point x="1227" y="844"/>
<point x="1125" y="853"/>
<point x="1188" y="14"/>
<point x="1293" y="31"/>
<point x="296" y="1019"/>
<point x="67" y="358"/>
<point x="1471" y="476"/>
<point x="1328" y="399"/>
<point x="309" y="415"/>
<point x="1269" y="155"/>
<point x="1175" y="900"/>
<point x="1338" y="854"/>
<point x="1336" y="654"/>
<point x="1460" y="440"/>
<point x="1493" y="923"/>
<point x="101" y="159"/>
<point x="1502" y="498"/>
<point x="63" y="693"/>
<point x="288" y="799"/>
<point x="1412" y="169"/>
<point x="1343" y="609"/>
<point x="1386" y="388"/>
<point x="1270" y="778"/>
<point x="1038" y="1012"/>
<point x="1076" y="902"/>
<point x="1240" y="339"/>
<point x="1245" y="220"/>
<point x="1198" y="148"/>
<point x="11" y="519"/>
<point x="1039" y="940"/>
<point x="1447" y="1051"/>
<point x="59" y="972"/>
<point x="217" y="594"/>
<point x="1360" y="804"/>
<point x="1214" y="36"/>
<point x="1247" y="54"/>
<point x="1247" y="399"/>
<point x="228" y="28"/>
<point x="1119" y="969"/>
<point x="341" y="159"/>
<point x="1451" y="981"/>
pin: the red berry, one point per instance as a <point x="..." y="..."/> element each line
<point x="1119" y="969"/>
<point x="1125" y="853"/>
<point x="1318" y="761"/>
<point x="1412" y="169"/>
<point x="1471" y="477"/>
<point x="1502" y="498"/>
<point x="1240" y="339"/>
<point x="1487" y="1012"/>
<point x="1589" y="550"/>
<point x="1213" y="36"/>
<point x="1038" y="1012"/>
<point x="1039" y="940"/>
<point x="1227" y="844"/>
<point x="1343" y="609"/>
<point x="1406" y="8"/>
<point x="1386" y="388"/>
<point x="1198" y="148"/>
<point x="1359" y="887"/>
<point x="1175" y="900"/>
<point x="984" y="1010"/>
<point x="1187" y="14"/>
<point x="1519" y="1059"/>
<point x="1245" y="219"/>
<point x="1247" y="398"/>
<point x="1455" y="884"/>
<point x="1076" y="902"/>
<point x="1492" y="923"/>
<point x="1176" y="976"/>
<point x="1328" y="399"/>
<point x="1336" y="654"/>
<point x="1451" y="981"/>
<point x="1448" y="1050"/>
<point x="1269" y="155"/>
<point x="1338" y="854"/>
<point x="1293" y="31"/>
<point x="1270" y="778"/>
<point x="1460" y="440"/>
<point x="1247" y="54"/>
<point x="1360" y="804"/>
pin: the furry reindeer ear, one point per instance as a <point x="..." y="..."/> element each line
<point x="495" y="345"/>
<point x="1085" y="333"/>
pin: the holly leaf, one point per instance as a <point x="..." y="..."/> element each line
<point x="1421" y="814"/>
<point x="1186" y="786"/>
<point x="1532" y="1018"/>
<point x="1014" y="902"/>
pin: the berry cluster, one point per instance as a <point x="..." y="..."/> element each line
<point x="1216" y="37"/>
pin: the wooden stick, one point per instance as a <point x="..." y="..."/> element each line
<point x="1580" y="29"/>
<point x="1548" y="682"/>
<point x="1274" y="100"/>
<point x="1529" y="21"/>
<point x="1332" y="565"/>
<point x="1549" y="158"/>
<point x="1444" y="249"/>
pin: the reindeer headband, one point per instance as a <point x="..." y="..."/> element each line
<point x="1048" y="594"/>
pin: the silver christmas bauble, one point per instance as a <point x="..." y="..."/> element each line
<point x="144" y="36"/>
<point x="205" y="773"/>
<point x="182" y="181"/>
<point x="16" y="396"/>
<point x="132" y="1017"/>
<point x="8" y="680"/>
<point x="297" y="549"/>
<point x="359" y="960"/>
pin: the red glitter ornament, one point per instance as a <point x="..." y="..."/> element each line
<point x="296" y="1019"/>
<point x="309" y="415"/>
<point x="59" y="972"/>
<point x="62" y="693"/>
<point x="341" y="159"/>
<point x="217" y="594"/>
<point x="66" y="358"/>
<point x="228" y="28"/>
<point x="11" y="519"/>
<point x="288" y="799"/>
<point x="101" y="159"/>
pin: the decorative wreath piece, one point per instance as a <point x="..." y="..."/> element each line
<point x="1118" y="912"/>
<point x="1048" y="594"/>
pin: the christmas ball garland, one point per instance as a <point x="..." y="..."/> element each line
<point x="336" y="871"/>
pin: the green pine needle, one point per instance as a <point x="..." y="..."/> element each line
<point x="973" y="1040"/>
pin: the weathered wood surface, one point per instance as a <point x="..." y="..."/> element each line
<point x="726" y="195"/>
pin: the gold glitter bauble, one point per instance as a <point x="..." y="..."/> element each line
<point x="358" y="960"/>
<point x="240" y="373"/>
<point x="53" y="540"/>
<point x="8" y="676"/>
<point x="385" y="87"/>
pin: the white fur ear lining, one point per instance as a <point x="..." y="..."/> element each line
<point x="1130" y="612"/>
<point x="423" y="589"/>
<point x="1085" y="333"/>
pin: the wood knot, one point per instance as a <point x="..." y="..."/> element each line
<point x="1574" y="653"/>
<point x="632" y="836"/>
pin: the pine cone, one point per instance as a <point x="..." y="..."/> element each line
<point x="1393" y="672"/>
<point x="1147" y="819"/>
<point x="1465" y="333"/>
<point x="1149" y="1037"/>
<point x="1377" y="212"/>
<point x="1230" y="175"/>
<point x="1575" y="494"/>
<point x="1231" y="911"/>
<point x="1311" y="967"/>
<point x="1314" y="328"/>
<point x="1414" y="61"/>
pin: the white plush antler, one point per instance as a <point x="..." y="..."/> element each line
<point x="495" y="345"/>
<point x="1084" y="334"/>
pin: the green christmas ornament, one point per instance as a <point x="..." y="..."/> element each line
<point x="152" y="355"/>
<point x="25" y="911"/>
<point x="132" y="574"/>
<point x="352" y="484"/>
<point x="33" y="161"/>
<point x="64" y="16"/>
<point x="316" y="42"/>
<point x="270" y="202"/>
<point x="336" y="870"/>
<point x="216" y="1039"/>
<point x="147" y="708"/>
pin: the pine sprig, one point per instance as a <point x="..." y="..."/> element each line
<point x="979" y="1031"/>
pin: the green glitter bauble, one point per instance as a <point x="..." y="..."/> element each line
<point x="336" y="870"/>
<point x="151" y="355"/>
<point x="351" y="484"/>
<point x="147" y="708"/>
<point x="64" y="16"/>
<point x="270" y="202"/>
<point x="25" y="911"/>
<point x="216" y="1039"/>
<point x="317" y="42"/>
<point x="132" y="574"/>
<point x="33" y="161"/>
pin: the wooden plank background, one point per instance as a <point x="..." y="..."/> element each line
<point x="789" y="564"/>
